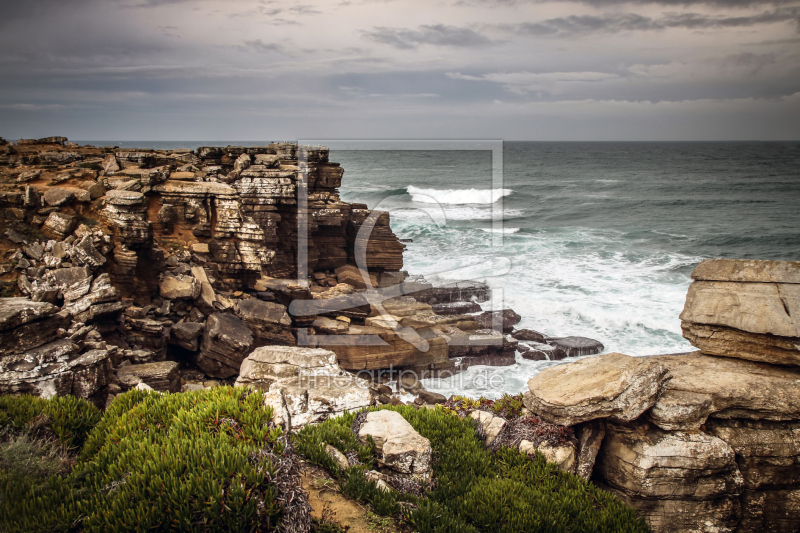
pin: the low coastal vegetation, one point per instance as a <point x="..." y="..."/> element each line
<point x="215" y="461"/>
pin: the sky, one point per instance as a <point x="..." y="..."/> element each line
<point x="400" y="69"/>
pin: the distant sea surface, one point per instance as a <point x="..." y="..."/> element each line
<point x="591" y="239"/>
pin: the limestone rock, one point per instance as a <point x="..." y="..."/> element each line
<point x="351" y="275"/>
<point x="528" y="335"/>
<point x="269" y="321"/>
<point x="745" y="309"/>
<point x="492" y="425"/>
<point x="316" y="398"/>
<point x="312" y="386"/>
<point x="612" y="385"/>
<point x="162" y="376"/>
<point x="432" y="398"/>
<point x="186" y="335"/>
<point x="747" y="270"/>
<point x="15" y="312"/>
<point x="269" y="364"/>
<point x="25" y="325"/>
<point x="647" y="462"/>
<point x="720" y="515"/>
<point x="770" y="511"/>
<point x="175" y="287"/>
<point x="58" y="196"/>
<point x="462" y="291"/>
<point x="767" y="453"/>
<point x="59" y="224"/>
<point x="337" y="456"/>
<point x="590" y="437"/>
<point x="397" y="443"/>
<point x="705" y="385"/>
<point x="226" y="343"/>
<point x="280" y="413"/>
<point x="563" y="456"/>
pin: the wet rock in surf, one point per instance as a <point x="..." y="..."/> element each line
<point x="576" y="346"/>
<point x="503" y="320"/>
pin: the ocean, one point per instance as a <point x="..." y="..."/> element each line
<point x="594" y="239"/>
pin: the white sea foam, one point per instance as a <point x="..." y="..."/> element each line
<point x="456" y="196"/>
<point x="506" y="231"/>
<point x="563" y="281"/>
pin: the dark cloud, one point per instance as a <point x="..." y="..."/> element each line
<point x="605" y="3"/>
<point x="433" y="34"/>
<point x="259" y="46"/>
<point x="577" y="25"/>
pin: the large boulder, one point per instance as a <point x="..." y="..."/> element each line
<point x="397" y="444"/>
<point x="269" y="364"/>
<point x="704" y="385"/>
<point x="226" y="342"/>
<point x="745" y="309"/>
<point x="311" y="385"/>
<point x="613" y="385"/>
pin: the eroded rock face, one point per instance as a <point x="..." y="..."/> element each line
<point x="745" y="309"/>
<point x="647" y="462"/>
<point x="226" y="343"/>
<point x="705" y="385"/>
<point x="397" y="443"/>
<point x="614" y="386"/>
<point x="269" y="321"/>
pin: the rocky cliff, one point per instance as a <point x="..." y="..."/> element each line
<point x="706" y="441"/>
<point x="170" y="267"/>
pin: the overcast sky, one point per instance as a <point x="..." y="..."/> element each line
<point x="465" y="69"/>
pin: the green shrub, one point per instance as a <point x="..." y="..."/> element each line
<point x="477" y="490"/>
<point x="201" y="461"/>
<point x="69" y="418"/>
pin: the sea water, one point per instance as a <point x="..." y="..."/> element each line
<point x="590" y="239"/>
<point x="596" y="239"/>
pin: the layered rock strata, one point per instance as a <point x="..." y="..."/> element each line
<point x="709" y="441"/>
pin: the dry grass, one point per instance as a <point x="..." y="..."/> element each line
<point x="24" y="456"/>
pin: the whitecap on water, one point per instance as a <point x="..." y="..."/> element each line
<point x="456" y="196"/>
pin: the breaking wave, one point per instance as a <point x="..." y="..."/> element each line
<point x="456" y="196"/>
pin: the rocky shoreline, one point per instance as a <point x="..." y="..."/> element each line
<point x="177" y="270"/>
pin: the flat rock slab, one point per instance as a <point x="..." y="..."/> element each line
<point x="722" y="387"/>
<point x="613" y="385"/>
<point x="162" y="376"/>
<point x="397" y="443"/>
<point x="15" y="312"/>
<point x="747" y="270"/>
